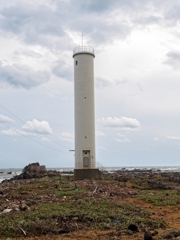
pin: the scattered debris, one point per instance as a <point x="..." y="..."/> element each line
<point x="6" y="210"/>
<point x="117" y="221"/>
<point x="22" y="231"/>
<point x="171" y="234"/>
<point x="94" y="191"/>
<point x="37" y="187"/>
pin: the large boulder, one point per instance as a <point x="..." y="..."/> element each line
<point x="34" y="170"/>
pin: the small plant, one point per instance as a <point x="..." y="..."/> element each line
<point x="160" y="198"/>
<point x="70" y="192"/>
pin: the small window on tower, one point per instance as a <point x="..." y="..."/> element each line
<point x="76" y="62"/>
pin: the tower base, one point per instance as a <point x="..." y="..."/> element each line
<point x="95" y="173"/>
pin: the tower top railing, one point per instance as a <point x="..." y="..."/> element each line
<point x="83" y="49"/>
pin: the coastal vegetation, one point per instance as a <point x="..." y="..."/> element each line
<point x="60" y="206"/>
<point x="160" y="198"/>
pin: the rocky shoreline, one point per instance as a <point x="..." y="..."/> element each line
<point x="10" y="173"/>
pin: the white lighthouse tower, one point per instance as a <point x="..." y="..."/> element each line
<point x="85" y="157"/>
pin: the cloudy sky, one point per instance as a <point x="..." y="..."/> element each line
<point x="137" y="80"/>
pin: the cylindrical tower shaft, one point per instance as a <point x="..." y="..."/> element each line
<point x="84" y="108"/>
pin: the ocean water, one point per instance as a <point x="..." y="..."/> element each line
<point x="9" y="173"/>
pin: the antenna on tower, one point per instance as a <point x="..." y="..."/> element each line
<point x="82" y="39"/>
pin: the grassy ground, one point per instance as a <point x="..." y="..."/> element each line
<point x="60" y="207"/>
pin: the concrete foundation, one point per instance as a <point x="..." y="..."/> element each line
<point x="80" y="174"/>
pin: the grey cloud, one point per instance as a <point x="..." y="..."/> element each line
<point x="40" y="25"/>
<point x="102" y="6"/>
<point x="97" y="6"/>
<point x="63" y="70"/>
<point x="174" y="55"/>
<point x="13" y="18"/>
<point x="43" y="20"/>
<point x="140" y="12"/>
<point x="107" y="32"/>
<point x="100" y="29"/>
<point x="22" y="76"/>
<point x="173" y="59"/>
<point x="170" y="12"/>
<point x="148" y="20"/>
<point x="173" y="13"/>
<point x="48" y="26"/>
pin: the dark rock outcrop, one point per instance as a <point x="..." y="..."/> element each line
<point x="34" y="170"/>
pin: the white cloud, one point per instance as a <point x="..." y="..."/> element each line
<point x="27" y="53"/>
<point x="102" y="148"/>
<point x="36" y="126"/>
<point x="155" y="139"/>
<point x="173" y="137"/>
<point x="103" y="82"/>
<point x="65" y="136"/>
<point x="121" y="138"/>
<point x="16" y="132"/>
<point x="122" y="123"/>
<point x="31" y="128"/>
<point x="45" y="139"/>
<point x="10" y="132"/>
<point x="120" y="135"/>
<point x="5" y="119"/>
<point x="54" y="94"/>
<point x="100" y="134"/>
